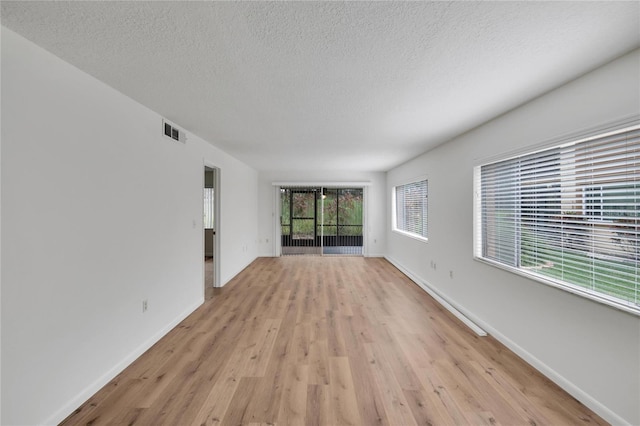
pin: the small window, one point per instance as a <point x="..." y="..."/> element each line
<point x="568" y="216"/>
<point x="411" y="209"/>
<point x="208" y="208"/>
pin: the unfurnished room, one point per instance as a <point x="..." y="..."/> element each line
<point x="320" y="213"/>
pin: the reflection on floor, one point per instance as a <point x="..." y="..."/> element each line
<point x="328" y="341"/>
<point x="352" y="250"/>
<point x="295" y="251"/>
<point x="306" y="251"/>
<point x="208" y="278"/>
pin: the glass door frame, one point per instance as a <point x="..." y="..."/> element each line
<point x="279" y="187"/>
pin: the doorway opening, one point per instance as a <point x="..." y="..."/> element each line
<point x="321" y="220"/>
<point x="211" y="214"/>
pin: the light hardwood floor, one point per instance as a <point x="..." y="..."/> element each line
<point x="328" y="341"/>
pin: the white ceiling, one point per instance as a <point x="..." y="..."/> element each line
<point x="330" y="85"/>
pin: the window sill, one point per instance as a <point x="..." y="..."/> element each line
<point x="579" y="291"/>
<point x="410" y="235"/>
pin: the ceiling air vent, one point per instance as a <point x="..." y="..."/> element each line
<point x="170" y="131"/>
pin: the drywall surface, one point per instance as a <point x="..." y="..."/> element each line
<point x="375" y="199"/>
<point x="370" y="81"/>
<point x="99" y="212"/>
<point x="590" y="349"/>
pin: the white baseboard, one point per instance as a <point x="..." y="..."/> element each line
<point x="444" y="301"/>
<point x="88" y="392"/>
<point x="558" y="379"/>
<point x="242" y="268"/>
<point x="536" y="363"/>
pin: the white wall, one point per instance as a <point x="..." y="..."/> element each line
<point x="99" y="211"/>
<point x="590" y="349"/>
<point x="375" y="204"/>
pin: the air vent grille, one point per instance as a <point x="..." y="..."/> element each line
<point x="172" y="132"/>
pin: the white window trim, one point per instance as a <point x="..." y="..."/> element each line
<point x="410" y="235"/>
<point x="394" y="210"/>
<point x="570" y="288"/>
<point x="593" y="133"/>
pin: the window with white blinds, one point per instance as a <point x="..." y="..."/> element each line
<point x="568" y="216"/>
<point x="209" y="223"/>
<point x="411" y="208"/>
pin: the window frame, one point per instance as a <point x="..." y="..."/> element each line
<point x="593" y="134"/>
<point x="208" y="215"/>
<point x="394" y="210"/>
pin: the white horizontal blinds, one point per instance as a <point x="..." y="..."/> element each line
<point x="570" y="214"/>
<point x="208" y="208"/>
<point x="500" y="211"/>
<point x="411" y="208"/>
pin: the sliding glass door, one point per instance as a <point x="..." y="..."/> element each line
<point x="317" y="220"/>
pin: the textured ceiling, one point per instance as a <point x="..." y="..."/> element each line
<point x="330" y="85"/>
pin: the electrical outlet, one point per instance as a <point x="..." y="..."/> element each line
<point x="451" y="274"/>
<point x="145" y="306"/>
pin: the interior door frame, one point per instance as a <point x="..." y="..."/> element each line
<point x="217" y="253"/>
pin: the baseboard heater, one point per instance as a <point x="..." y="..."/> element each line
<point x="441" y="300"/>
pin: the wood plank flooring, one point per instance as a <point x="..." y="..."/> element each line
<point x="327" y="341"/>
